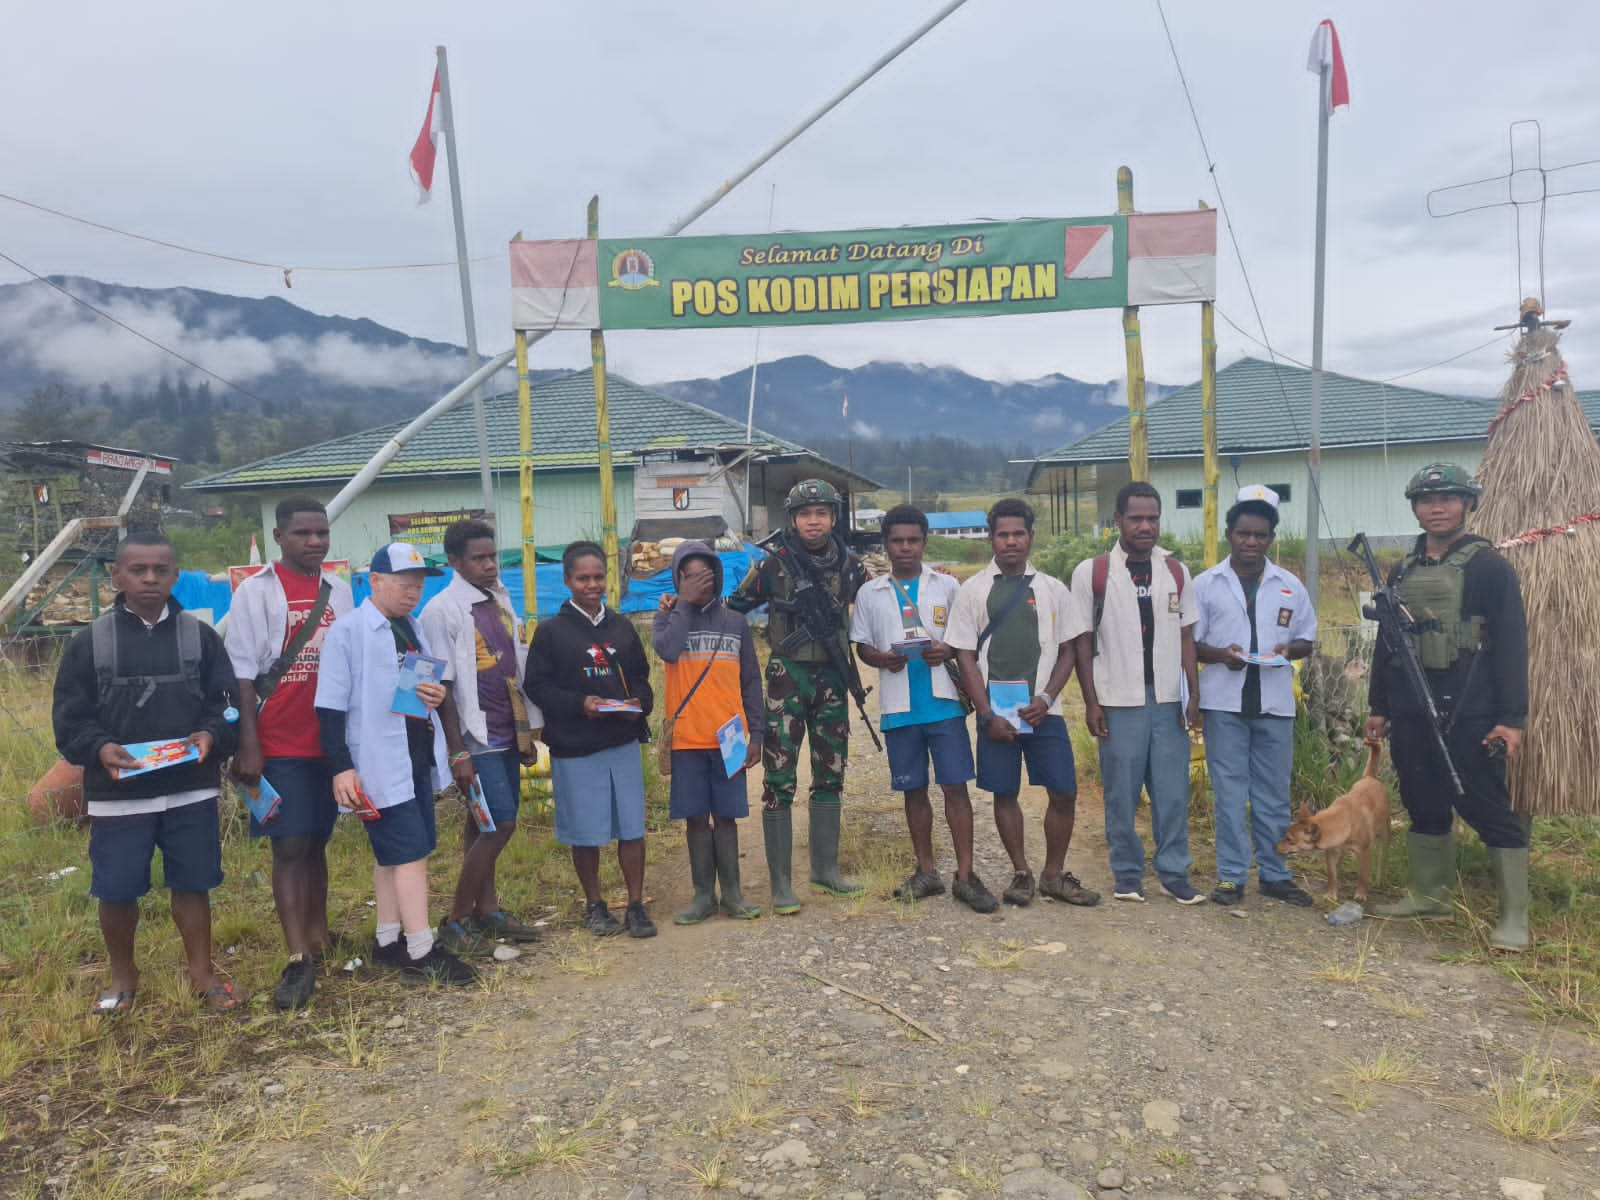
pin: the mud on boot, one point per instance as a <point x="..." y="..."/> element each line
<point x="703" y="872"/>
<point x="725" y="839"/>
<point x="1431" y="868"/>
<point x="825" y="875"/>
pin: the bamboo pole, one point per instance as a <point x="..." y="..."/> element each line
<point x="1208" y="427"/>
<point x="1138" y="434"/>
<point x="602" y="425"/>
<point x="530" y="553"/>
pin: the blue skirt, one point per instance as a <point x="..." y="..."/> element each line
<point x="599" y="797"/>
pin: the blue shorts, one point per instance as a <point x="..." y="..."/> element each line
<point x="121" y="849"/>
<point x="307" y="808"/>
<point x="500" y="777"/>
<point x="910" y="746"/>
<point x="599" y="797"/>
<point x="1047" y="750"/>
<point x="405" y="832"/>
<point x="700" y="785"/>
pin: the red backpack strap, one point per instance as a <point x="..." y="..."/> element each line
<point x="1099" y="571"/>
<point x="1177" y="573"/>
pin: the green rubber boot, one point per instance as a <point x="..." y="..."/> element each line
<point x="703" y="871"/>
<point x="726" y="840"/>
<point x="1432" y="869"/>
<point x="777" y="828"/>
<point x="1511" y="880"/>
<point x="825" y="851"/>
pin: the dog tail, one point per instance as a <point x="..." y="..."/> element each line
<point x="1374" y="753"/>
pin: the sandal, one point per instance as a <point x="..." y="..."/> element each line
<point x="110" y="1003"/>
<point x="222" y="998"/>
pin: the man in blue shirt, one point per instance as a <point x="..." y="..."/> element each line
<point x="922" y="711"/>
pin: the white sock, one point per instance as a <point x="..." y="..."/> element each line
<point x="418" y="944"/>
<point x="388" y="935"/>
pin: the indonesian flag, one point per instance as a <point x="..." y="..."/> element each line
<point x="426" y="149"/>
<point x="1325" y="52"/>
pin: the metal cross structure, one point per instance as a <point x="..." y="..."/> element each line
<point x="1528" y="184"/>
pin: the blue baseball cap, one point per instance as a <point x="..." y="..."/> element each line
<point x="400" y="556"/>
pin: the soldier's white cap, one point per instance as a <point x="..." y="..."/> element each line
<point x="1257" y="491"/>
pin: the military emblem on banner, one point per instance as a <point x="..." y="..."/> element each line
<point x="680" y="498"/>
<point x="633" y="269"/>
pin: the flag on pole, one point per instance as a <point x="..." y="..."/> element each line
<point x="844" y="409"/>
<point x="426" y="149"/>
<point x="255" y="552"/>
<point x="1325" y="52"/>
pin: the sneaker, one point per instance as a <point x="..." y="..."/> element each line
<point x="1227" y="893"/>
<point x="919" y="886"/>
<point x="393" y="955"/>
<point x="1069" y="889"/>
<point x="1287" y="891"/>
<point x="1180" y="890"/>
<point x="638" y="922"/>
<point x="455" y="937"/>
<point x="295" y="985"/>
<point x="971" y="892"/>
<point x="1022" y="889"/>
<point x="501" y="924"/>
<point x="597" y="919"/>
<point x="1131" y="892"/>
<point x="438" y="965"/>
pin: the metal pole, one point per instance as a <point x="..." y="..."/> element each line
<point x="1138" y="434"/>
<point x="530" y="552"/>
<point x="1075" y="530"/>
<point x="1208" y="429"/>
<point x="602" y="426"/>
<point x="1314" y="453"/>
<point x="447" y="126"/>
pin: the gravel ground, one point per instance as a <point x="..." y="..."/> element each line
<point x="1127" y="1050"/>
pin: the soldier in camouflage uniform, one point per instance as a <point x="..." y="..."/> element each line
<point x="805" y="691"/>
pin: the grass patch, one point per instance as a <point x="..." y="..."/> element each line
<point x="1356" y="969"/>
<point x="1539" y="1104"/>
<point x="1387" y="1067"/>
<point x="1004" y="957"/>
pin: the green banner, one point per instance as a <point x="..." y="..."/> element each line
<point x="981" y="270"/>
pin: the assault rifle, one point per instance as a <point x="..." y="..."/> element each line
<point x="819" y="617"/>
<point x="1395" y="627"/>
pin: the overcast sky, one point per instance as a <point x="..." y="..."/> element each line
<point x="280" y="132"/>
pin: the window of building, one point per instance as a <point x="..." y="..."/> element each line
<point x="1189" y="497"/>
<point x="1282" y="489"/>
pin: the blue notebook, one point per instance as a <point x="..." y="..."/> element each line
<point x="479" y="807"/>
<point x="263" y="800"/>
<point x="414" y="669"/>
<point x="734" y="744"/>
<point x="1006" y="696"/>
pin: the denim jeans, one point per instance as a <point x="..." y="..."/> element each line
<point x="1249" y="760"/>
<point x="1148" y="749"/>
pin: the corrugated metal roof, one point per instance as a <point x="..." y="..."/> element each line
<point x="563" y="437"/>
<point x="1263" y="406"/>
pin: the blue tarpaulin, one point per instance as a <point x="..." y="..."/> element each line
<point x="196" y="590"/>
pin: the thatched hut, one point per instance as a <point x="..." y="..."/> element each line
<point x="1541" y="508"/>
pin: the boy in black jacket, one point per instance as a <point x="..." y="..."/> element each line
<point x="148" y="671"/>
<point x="581" y="658"/>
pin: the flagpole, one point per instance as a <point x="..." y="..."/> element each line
<point x="1314" y="452"/>
<point x="447" y="126"/>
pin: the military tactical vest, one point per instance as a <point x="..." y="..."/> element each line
<point x="1432" y="592"/>
<point x="782" y="623"/>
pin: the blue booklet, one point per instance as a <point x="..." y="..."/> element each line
<point x="734" y="744"/>
<point x="153" y="756"/>
<point x="263" y="800"/>
<point x="414" y="669"/>
<point x="478" y="805"/>
<point x="1006" y="696"/>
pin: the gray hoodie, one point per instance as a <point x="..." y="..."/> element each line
<point x="671" y="630"/>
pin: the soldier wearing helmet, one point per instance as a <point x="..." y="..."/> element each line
<point x="806" y="698"/>
<point x="1472" y="640"/>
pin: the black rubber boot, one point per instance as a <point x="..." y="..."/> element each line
<point x="825" y="852"/>
<point x="725" y="837"/>
<point x="777" y="828"/>
<point x="703" y="871"/>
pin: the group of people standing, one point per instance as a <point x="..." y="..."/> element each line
<point x="300" y="693"/>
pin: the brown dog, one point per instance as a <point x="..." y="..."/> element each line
<point x="1355" y="821"/>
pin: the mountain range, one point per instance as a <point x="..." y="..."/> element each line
<point x="277" y="353"/>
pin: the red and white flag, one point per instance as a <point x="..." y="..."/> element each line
<point x="844" y="409"/>
<point x="426" y="149"/>
<point x="1325" y="52"/>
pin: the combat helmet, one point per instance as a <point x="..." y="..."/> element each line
<point x="1444" y="478"/>
<point x="813" y="491"/>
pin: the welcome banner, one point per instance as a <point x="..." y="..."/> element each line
<point x="980" y="270"/>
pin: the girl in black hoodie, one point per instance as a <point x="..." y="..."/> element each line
<point x="582" y="656"/>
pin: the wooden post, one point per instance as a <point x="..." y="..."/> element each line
<point x="1208" y="427"/>
<point x="1138" y="435"/>
<point x="602" y="425"/>
<point x="530" y="553"/>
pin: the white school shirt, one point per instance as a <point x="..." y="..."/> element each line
<point x="258" y="617"/>
<point x="1058" y="618"/>
<point x="447" y="619"/>
<point x="1284" y="614"/>
<point x="357" y="676"/>
<point x="1119" y="650"/>
<point x="876" y="622"/>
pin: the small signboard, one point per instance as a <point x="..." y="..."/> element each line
<point x="422" y="529"/>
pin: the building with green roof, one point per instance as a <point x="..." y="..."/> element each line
<point x="674" y="461"/>
<point x="1374" y="437"/>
